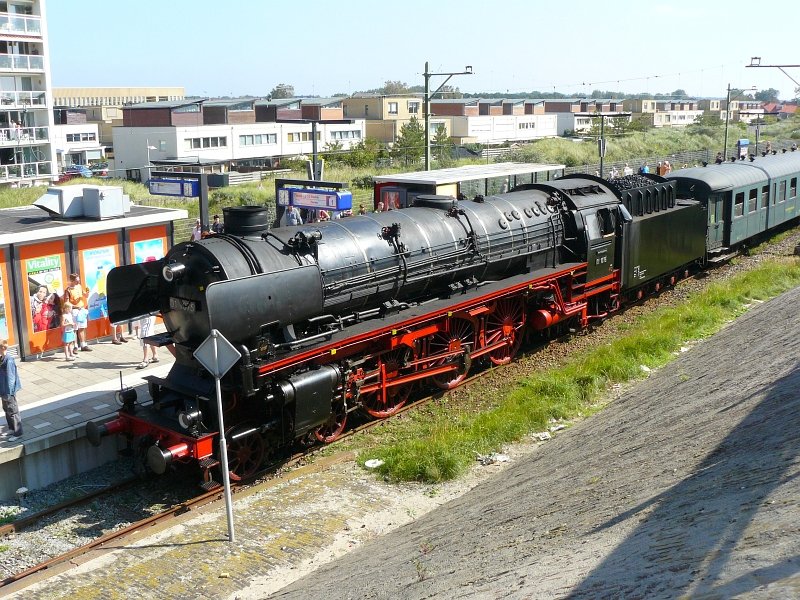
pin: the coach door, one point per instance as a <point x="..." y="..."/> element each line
<point x="716" y="221"/>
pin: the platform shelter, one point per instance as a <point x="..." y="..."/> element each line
<point x="39" y="248"/>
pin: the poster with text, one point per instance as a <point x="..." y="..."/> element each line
<point x="97" y="262"/>
<point x="148" y="250"/>
<point x="45" y="286"/>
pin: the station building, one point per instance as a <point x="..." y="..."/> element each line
<point x="40" y="248"/>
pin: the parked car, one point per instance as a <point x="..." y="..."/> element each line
<point x="79" y="171"/>
<point x="99" y="169"/>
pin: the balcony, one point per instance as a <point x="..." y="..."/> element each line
<point x="20" y="25"/>
<point x="22" y="100"/>
<point x="28" y="170"/>
<point x="21" y="62"/>
<point x="15" y="136"/>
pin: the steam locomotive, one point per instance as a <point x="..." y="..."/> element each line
<point x="351" y="314"/>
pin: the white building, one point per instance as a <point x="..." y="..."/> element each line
<point x="76" y="144"/>
<point x="502" y="128"/>
<point x="26" y="117"/>
<point x="222" y="147"/>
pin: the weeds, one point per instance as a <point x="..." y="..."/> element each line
<point x="442" y="445"/>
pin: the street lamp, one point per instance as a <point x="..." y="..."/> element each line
<point x="149" y="147"/>
<point x="728" y="117"/>
<point x="427" y="105"/>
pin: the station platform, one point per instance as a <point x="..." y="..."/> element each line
<point x="56" y="401"/>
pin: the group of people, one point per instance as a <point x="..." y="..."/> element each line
<point x="216" y="227"/>
<point x="70" y="313"/>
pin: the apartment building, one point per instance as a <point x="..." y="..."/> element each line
<point x="665" y="113"/>
<point x="218" y="136"/>
<point x="75" y="139"/>
<point x="494" y="121"/>
<point x="26" y="117"/>
<point x="114" y="96"/>
<point x="385" y="115"/>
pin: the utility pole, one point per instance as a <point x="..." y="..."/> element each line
<point x="427" y="105"/>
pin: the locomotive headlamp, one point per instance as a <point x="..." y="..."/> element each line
<point x="188" y="418"/>
<point x="173" y="271"/>
<point x="125" y="397"/>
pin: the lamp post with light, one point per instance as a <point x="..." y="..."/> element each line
<point x="427" y="106"/>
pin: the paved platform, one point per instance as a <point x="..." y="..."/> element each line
<point x="58" y="397"/>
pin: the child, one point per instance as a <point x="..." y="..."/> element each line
<point x="68" y="337"/>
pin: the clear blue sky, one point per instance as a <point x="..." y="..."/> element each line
<point x="321" y="47"/>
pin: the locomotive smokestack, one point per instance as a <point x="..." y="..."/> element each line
<point x="246" y="220"/>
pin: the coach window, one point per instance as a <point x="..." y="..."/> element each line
<point x="753" y="201"/>
<point x="782" y="193"/>
<point x="793" y="187"/>
<point x="738" y="206"/>
<point x="764" y="196"/>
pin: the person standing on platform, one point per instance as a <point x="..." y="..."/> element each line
<point x="217" y="226"/>
<point x="147" y="326"/>
<point x="76" y="296"/>
<point x="9" y="386"/>
<point x="68" y="335"/>
<point x="197" y="231"/>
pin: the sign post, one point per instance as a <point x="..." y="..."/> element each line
<point x="218" y="355"/>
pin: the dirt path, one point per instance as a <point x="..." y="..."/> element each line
<point x="686" y="486"/>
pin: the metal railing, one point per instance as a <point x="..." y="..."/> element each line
<point x="21" y="62"/>
<point x="22" y="99"/>
<point x="20" y="135"/>
<point x="29" y="170"/>
<point x="20" y="24"/>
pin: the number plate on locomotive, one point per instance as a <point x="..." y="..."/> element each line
<point x="182" y="304"/>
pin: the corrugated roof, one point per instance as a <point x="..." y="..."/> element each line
<point x="166" y="103"/>
<point x="743" y="173"/>
<point x="466" y="173"/>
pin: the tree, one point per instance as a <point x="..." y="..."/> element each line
<point x="365" y="154"/>
<point x="282" y="90"/>
<point x="770" y="95"/>
<point x="333" y="152"/>
<point x="394" y="88"/>
<point x="679" y="93"/>
<point x="410" y="144"/>
<point x="442" y="147"/>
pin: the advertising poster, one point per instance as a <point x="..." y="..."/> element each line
<point x="97" y="262"/>
<point x="46" y="284"/>
<point x="3" y="320"/>
<point x="148" y="250"/>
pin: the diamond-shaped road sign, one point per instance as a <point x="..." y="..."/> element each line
<point x="219" y="361"/>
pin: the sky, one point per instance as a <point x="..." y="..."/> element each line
<point x="322" y="48"/>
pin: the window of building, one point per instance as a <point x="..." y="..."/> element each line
<point x="354" y="134"/>
<point x="258" y="139"/>
<point x="81" y="137"/>
<point x="189" y="108"/>
<point x="392" y="108"/>
<point x="293" y="136"/>
<point x="413" y="107"/>
<point x="752" y="203"/>
<point x="738" y="206"/>
<point x="205" y="142"/>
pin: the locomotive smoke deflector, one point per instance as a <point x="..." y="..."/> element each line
<point x="135" y="290"/>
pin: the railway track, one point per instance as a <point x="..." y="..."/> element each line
<point x="19" y="580"/>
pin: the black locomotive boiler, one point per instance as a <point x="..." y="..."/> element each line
<point x="352" y="314"/>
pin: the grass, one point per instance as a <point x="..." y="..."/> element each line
<point x="442" y="443"/>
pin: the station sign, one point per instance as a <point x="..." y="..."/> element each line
<point x="174" y="186"/>
<point x="316" y="199"/>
